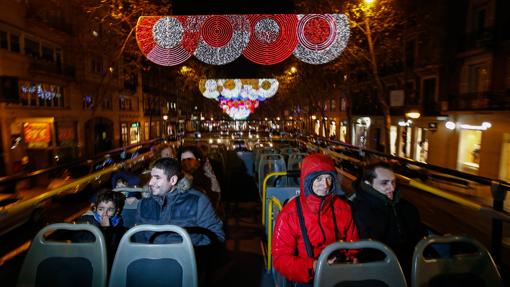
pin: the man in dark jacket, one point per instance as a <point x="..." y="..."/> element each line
<point x="326" y="217"/>
<point x="380" y="214"/>
<point x="177" y="204"/>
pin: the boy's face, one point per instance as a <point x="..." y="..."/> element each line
<point x="106" y="209"/>
<point x="121" y="183"/>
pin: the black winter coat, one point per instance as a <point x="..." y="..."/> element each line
<point x="395" y="223"/>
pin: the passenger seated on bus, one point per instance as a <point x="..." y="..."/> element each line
<point x="381" y="214"/>
<point x="203" y="178"/>
<point x="168" y="152"/>
<point x="105" y="214"/>
<point x="310" y="222"/>
<point x="125" y="179"/>
<point x="173" y="201"/>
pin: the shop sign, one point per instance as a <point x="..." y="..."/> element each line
<point x="66" y="134"/>
<point x="37" y="135"/>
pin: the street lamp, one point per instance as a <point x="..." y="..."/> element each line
<point x="413" y="115"/>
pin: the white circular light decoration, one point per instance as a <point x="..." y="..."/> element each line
<point x="223" y="39"/>
<point x="209" y="89"/>
<point x="321" y="37"/>
<point x="168" y="32"/>
<point x="248" y="92"/>
<point x="267" y="87"/>
<point x="267" y="30"/>
<point x="230" y="88"/>
<point x="239" y="113"/>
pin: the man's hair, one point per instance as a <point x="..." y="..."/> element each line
<point x="369" y="170"/>
<point x="105" y="195"/>
<point x="170" y="166"/>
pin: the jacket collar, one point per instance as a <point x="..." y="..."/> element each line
<point x="369" y="190"/>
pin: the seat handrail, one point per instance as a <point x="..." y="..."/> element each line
<point x="273" y="201"/>
<point x="264" y="190"/>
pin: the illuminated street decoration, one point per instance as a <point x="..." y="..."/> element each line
<point x="166" y="41"/>
<point x="43" y="91"/>
<point x="322" y="38"/>
<point x="238" y="97"/>
<point x="223" y="39"/>
<point x="273" y="38"/>
<point x="264" y="39"/>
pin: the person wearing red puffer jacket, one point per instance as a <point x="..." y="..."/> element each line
<point x="326" y="218"/>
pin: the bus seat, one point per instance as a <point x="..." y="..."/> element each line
<point x="58" y="263"/>
<point x="145" y="264"/>
<point x="376" y="273"/>
<point x="270" y="163"/>
<point x="468" y="264"/>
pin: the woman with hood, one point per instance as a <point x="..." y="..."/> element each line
<point x="326" y="218"/>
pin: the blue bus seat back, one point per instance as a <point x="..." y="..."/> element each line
<point x="144" y="259"/>
<point x="247" y="157"/>
<point x="471" y="264"/>
<point x="385" y="272"/>
<point x="270" y="163"/>
<point x="283" y="194"/>
<point x="64" y="263"/>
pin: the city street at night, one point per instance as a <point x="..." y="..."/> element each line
<point x="176" y="143"/>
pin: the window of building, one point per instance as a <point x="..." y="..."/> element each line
<point x="32" y="48"/>
<point x="410" y="92"/>
<point x="410" y="53"/>
<point x="332" y="105"/>
<point x="124" y="133"/>
<point x="125" y="104"/>
<point x="468" y="158"/>
<point x="146" y="130"/>
<point x="96" y="66"/>
<point x="47" y="53"/>
<point x="3" y="40"/>
<point x="479" y="18"/>
<point x="87" y="102"/>
<point x="107" y="103"/>
<point x="15" y="46"/>
<point x="478" y="78"/>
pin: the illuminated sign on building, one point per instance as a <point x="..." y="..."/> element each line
<point x="43" y="91"/>
<point x="37" y="135"/>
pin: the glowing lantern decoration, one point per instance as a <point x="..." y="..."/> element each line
<point x="238" y="97"/>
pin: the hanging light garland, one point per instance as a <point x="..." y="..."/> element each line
<point x="238" y="97"/>
<point x="264" y="39"/>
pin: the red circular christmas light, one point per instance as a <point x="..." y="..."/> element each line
<point x="217" y="31"/>
<point x="316" y="31"/>
<point x="273" y="38"/>
<point x="160" y="55"/>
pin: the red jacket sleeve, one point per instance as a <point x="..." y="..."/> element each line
<point x="284" y="247"/>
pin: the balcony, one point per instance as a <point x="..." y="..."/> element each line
<point x="490" y="100"/>
<point x="49" y="17"/>
<point x="38" y="66"/>
<point x="482" y="39"/>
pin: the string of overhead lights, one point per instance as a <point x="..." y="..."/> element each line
<point x="264" y="39"/>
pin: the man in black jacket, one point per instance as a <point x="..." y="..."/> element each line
<point x="380" y="214"/>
